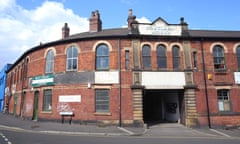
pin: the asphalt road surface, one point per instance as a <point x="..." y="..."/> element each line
<point x="17" y="137"/>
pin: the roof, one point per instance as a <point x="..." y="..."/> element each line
<point x="118" y="32"/>
<point x="214" y="34"/>
<point x="124" y="32"/>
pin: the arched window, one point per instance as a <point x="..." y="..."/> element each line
<point x="146" y="57"/>
<point x="176" y="57"/>
<point x="218" y="57"/>
<point x="72" y="58"/>
<point x="161" y="56"/>
<point x="238" y="56"/>
<point x="49" y="62"/>
<point x="102" y="57"/>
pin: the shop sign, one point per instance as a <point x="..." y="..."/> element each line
<point x="43" y="80"/>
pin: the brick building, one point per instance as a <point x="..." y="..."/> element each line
<point x="147" y="72"/>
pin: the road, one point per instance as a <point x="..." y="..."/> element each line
<point x="17" y="137"/>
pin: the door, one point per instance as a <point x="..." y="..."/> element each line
<point x="35" y="105"/>
<point x="15" y="104"/>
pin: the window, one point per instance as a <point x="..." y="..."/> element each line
<point x="238" y="56"/>
<point x="195" y="59"/>
<point x="176" y="57"/>
<point x="218" y="58"/>
<point x="47" y="100"/>
<point x="102" y="57"/>
<point x="127" y="60"/>
<point x="49" y="62"/>
<point x="161" y="57"/>
<point x="102" y="100"/>
<point x="25" y="68"/>
<point x="146" y="57"/>
<point x="72" y="58"/>
<point x="223" y="100"/>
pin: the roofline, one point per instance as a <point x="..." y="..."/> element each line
<point x="128" y="35"/>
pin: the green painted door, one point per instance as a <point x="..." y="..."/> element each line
<point x="35" y="105"/>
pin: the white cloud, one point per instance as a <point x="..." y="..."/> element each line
<point x="143" y="20"/>
<point x="140" y="20"/>
<point x="22" y="29"/>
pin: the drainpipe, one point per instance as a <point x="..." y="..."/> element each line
<point x="205" y="85"/>
<point x="120" y="84"/>
<point x="22" y="97"/>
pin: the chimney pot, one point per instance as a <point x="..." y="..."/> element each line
<point x="65" y="31"/>
<point x="131" y="18"/>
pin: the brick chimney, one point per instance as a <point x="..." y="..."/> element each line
<point x="95" y="23"/>
<point x="65" y="31"/>
<point x="131" y="18"/>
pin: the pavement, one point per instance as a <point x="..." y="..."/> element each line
<point x="164" y="130"/>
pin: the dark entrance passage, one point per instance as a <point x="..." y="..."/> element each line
<point x="162" y="106"/>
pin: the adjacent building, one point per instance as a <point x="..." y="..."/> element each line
<point x="3" y="79"/>
<point x="144" y="73"/>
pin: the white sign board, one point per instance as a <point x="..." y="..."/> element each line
<point x="169" y="30"/>
<point x="237" y="77"/>
<point x="107" y="77"/>
<point x="70" y="98"/>
<point x="163" y="80"/>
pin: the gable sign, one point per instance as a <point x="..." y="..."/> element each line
<point x="160" y="27"/>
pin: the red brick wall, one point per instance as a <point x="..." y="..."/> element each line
<point x="217" y="118"/>
<point x="85" y="110"/>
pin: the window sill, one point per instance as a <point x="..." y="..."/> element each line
<point x="46" y="112"/>
<point x="102" y="113"/>
<point x="220" y="71"/>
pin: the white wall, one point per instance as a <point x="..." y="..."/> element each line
<point x="163" y="80"/>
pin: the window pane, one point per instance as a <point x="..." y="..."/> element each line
<point x="218" y="57"/>
<point x="69" y="66"/>
<point x="72" y="58"/>
<point x="162" y="63"/>
<point x="176" y="57"/>
<point x="238" y="56"/>
<point x="74" y="66"/>
<point x="126" y="59"/>
<point x="223" y="100"/>
<point x="146" y="57"/>
<point x="102" y="100"/>
<point x="69" y="53"/>
<point x="49" y="62"/>
<point x="146" y="51"/>
<point x="102" y="57"/>
<point x="47" y="100"/>
<point x="75" y="52"/>
<point x="161" y="56"/>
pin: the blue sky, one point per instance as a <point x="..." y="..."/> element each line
<point x="26" y="23"/>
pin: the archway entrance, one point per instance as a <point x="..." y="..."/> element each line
<point x="162" y="106"/>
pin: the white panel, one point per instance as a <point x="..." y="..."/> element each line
<point x="172" y="30"/>
<point x="237" y="77"/>
<point x="70" y="98"/>
<point x="163" y="80"/>
<point x="106" y="77"/>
